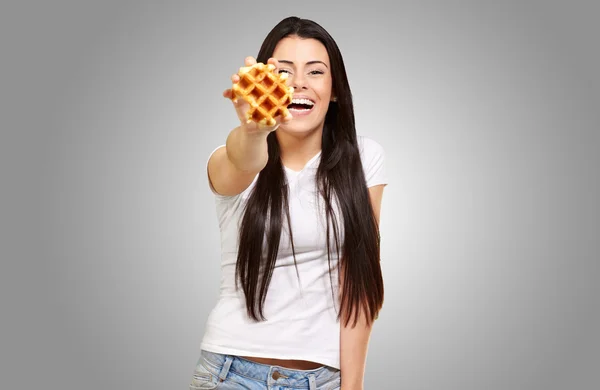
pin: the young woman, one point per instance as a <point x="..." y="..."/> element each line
<point x="298" y="208"/>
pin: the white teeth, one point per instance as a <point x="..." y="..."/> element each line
<point x="303" y="101"/>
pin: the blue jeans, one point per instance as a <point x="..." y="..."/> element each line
<point x="228" y="372"/>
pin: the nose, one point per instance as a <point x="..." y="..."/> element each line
<point x="298" y="82"/>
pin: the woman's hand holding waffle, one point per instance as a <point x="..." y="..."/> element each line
<point x="260" y="96"/>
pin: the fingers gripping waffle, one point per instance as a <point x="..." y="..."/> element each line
<point x="266" y="93"/>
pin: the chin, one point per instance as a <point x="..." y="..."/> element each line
<point x="298" y="128"/>
<point x="302" y="125"/>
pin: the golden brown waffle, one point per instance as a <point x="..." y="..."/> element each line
<point x="266" y="93"/>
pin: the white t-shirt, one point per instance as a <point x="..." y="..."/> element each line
<point x="301" y="315"/>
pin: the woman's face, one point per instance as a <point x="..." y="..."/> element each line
<point x="306" y="63"/>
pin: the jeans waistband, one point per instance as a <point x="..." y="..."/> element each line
<point x="222" y="364"/>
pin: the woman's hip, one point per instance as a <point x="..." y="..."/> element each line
<point x="225" y="372"/>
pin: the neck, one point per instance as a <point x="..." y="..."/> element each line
<point x="297" y="149"/>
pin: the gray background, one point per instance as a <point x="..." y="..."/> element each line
<point x="489" y="113"/>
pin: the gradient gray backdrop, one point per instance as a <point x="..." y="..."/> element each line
<point x="489" y="114"/>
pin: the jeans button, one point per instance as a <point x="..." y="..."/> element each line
<point x="276" y="375"/>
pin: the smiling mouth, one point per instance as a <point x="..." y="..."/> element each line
<point x="301" y="105"/>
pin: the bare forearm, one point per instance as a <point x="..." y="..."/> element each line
<point x="354" y="344"/>
<point x="247" y="151"/>
<point x="354" y="341"/>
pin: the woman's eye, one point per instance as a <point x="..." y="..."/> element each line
<point x="283" y="70"/>
<point x="316" y="72"/>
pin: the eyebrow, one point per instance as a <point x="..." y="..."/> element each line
<point x="308" y="63"/>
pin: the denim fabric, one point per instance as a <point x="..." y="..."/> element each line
<point x="228" y="372"/>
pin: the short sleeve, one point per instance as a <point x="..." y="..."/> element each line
<point x="207" y="177"/>
<point x="219" y="197"/>
<point x="373" y="160"/>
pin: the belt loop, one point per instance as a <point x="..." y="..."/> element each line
<point x="312" y="385"/>
<point x="225" y="369"/>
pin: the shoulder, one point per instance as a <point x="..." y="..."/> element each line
<point x="371" y="151"/>
<point x="369" y="147"/>
<point x="372" y="155"/>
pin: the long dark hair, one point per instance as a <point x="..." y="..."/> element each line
<point x="339" y="175"/>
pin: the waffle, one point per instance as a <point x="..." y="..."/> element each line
<point x="266" y="93"/>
